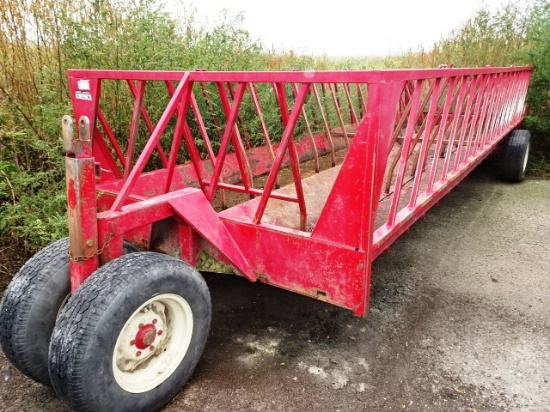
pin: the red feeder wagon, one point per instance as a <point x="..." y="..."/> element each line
<point x="349" y="161"/>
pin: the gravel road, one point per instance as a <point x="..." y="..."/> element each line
<point x="459" y="321"/>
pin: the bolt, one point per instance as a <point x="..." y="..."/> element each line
<point x="154" y="321"/>
<point x="132" y="342"/>
<point x="138" y="353"/>
<point x="152" y="347"/>
<point x="159" y="332"/>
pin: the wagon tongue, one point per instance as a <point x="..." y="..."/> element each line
<point x="194" y="208"/>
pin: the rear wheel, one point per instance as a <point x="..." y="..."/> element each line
<point x="31" y="304"/>
<point x="132" y="335"/>
<point x="516" y="155"/>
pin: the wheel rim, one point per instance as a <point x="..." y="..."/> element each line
<point x="152" y="343"/>
<point x="525" y="158"/>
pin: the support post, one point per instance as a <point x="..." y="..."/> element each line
<point x="80" y="177"/>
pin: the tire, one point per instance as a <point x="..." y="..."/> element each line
<point x="30" y="307"/>
<point x="131" y="336"/>
<point x="516" y="154"/>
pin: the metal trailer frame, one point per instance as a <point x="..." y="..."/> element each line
<point x="460" y="114"/>
<point x="348" y="162"/>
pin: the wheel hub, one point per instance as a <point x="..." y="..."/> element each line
<point x="145" y="336"/>
<point x="152" y="343"/>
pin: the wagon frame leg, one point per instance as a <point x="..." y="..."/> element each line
<point x="80" y="171"/>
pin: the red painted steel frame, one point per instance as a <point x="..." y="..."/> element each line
<point x="421" y="131"/>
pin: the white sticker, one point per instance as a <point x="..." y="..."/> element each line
<point x="84" y="84"/>
<point x="83" y="95"/>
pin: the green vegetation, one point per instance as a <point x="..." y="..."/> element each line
<point x="40" y="39"/>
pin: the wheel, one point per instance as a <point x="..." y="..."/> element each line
<point x="516" y="154"/>
<point x="131" y="335"/>
<point x="31" y="304"/>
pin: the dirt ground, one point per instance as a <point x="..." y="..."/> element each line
<point x="459" y="321"/>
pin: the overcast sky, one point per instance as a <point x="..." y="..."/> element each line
<point x="347" y="27"/>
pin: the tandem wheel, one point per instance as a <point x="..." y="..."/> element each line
<point x="31" y="304"/>
<point x="131" y="335"/>
<point x="516" y="155"/>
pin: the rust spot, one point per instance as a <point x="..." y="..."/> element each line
<point x="321" y="294"/>
<point x="263" y="278"/>
<point x="71" y="194"/>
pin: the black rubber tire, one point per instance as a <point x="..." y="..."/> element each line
<point x="84" y="338"/>
<point x="516" y="154"/>
<point x="30" y="307"/>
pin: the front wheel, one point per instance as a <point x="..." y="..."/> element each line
<point x="131" y="335"/>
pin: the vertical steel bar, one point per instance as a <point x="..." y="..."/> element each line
<point x="190" y="142"/>
<point x="292" y="153"/>
<point x="152" y="142"/>
<point x="240" y="152"/>
<point x="211" y="108"/>
<point x="424" y="147"/>
<point x="111" y="136"/>
<point x="227" y="135"/>
<point x="470" y="149"/>
<point x="134" y="128"/>
<point x="491" y="109"/>
<point x="148" y="122"/>
<point x="256" y="101"/>
<point x="466" y="122"/>
<point x="352" y="114"/>
<point x="503" y="90"/>
<point x="415" y="99"/>
<point x="454" y="125"/>
<point x="336" y="102"/>
<point x="483" y="115"/>
<point x="208" y="145"/>
<point x="202" y="130"/>
<point x="513" y="96"/>
<point x="404" y="116"/>
<point x="440" y="136"/>
<point x="309" y="132"/>
<point x="174" y="150"/>
<point x="200" y="123"/>
<point x="240" y="118"/>
<point x="263" y="125"/>
<point x="362" y="100"/>
<point x="520" y="99"/>
<point x="325" y="125"/>
<point x="510" y="96"/>
<point x="286" y="143"/>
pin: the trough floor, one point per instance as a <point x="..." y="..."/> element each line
<point x="317" y="187"/>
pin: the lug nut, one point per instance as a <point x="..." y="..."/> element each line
<point x="151" y="347"/>
<point x="132" y="342"/>
<point x="159" y="332"/>
<point x="154" y="322"/>
<point x="138" y="353"/>
<point x="140" y="325"/>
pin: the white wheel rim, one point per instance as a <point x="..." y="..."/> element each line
<point x="152" y="343"/>
<point x="525" y="158"/>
